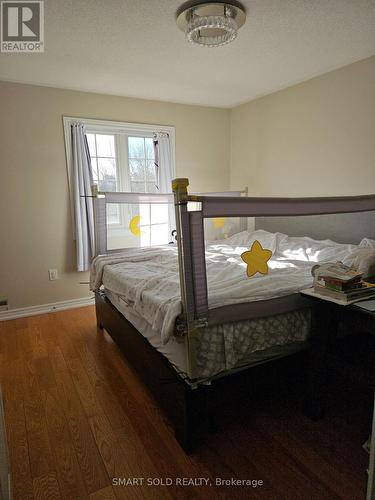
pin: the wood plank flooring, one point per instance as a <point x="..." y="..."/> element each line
<point x="77" y="418"/>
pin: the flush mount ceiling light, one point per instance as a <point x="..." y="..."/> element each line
<point x="211" y="24"/>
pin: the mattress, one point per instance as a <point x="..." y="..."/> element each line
<point x="228" y="347"/>
<point x="147" y="279"/>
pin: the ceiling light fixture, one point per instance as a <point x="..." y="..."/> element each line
<point x="211" y="24"/>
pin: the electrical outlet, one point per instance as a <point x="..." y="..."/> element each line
<point x="3" y="304"/>
<point x="53" y="274"/>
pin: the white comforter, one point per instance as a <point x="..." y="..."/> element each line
<point x="148" y="279"/>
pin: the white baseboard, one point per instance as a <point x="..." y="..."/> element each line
<point x="45" y="308"/>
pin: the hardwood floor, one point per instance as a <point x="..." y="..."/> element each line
<point x="77" y="417"/>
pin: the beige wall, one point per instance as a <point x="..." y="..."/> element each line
<point x="35" y="226"/>
<point x="316" y="138"/>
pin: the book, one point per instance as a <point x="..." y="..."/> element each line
<point x="337" y="273"/>
<point x="367" y="290"/>
<point x="356" y="290"/>
<point x="337" y="300"/>
<point x="341" y="285"/>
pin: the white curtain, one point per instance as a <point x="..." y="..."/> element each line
<point x="83" y="207"/>
<point x="166" y="171"/>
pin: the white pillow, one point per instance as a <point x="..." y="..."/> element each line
<point x="367" y="243"/>
<point x="363" y="259"/>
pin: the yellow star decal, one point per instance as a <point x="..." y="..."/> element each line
<point x="134" y="225"/>
<point x="256" y="259"/>
<point x="218" y="222"/>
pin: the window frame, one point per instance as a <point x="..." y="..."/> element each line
<point x="125" y="129"/>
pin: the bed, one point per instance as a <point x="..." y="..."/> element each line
<point x="186" y="315"/>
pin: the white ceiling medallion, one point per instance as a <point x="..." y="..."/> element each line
<point x="211" y="24"/>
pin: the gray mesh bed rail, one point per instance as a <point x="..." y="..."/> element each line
<point x="190" y="212"/>
<point x="122" y="201"/>
<point x="192" y="247"/>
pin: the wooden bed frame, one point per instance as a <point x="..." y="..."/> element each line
<point x="188" y="408"/>
<point x="184" y="406"/>
<point x="187" y="405"/>
<point x="196" y="313"/>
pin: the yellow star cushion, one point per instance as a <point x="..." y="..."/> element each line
<point x="256" y="259"/>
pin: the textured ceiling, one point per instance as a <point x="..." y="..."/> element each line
<point x="134" y="48"/>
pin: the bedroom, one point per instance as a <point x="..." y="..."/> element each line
<point x="285" y="110"/>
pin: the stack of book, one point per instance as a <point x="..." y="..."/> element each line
<point x="342" y="283"/>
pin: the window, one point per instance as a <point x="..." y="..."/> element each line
<point x="123" y="159"/>
<point x="103" y="161"/>
<point x="105" y="168"/>
<point x="124" y="163"/>
<point x="154" y="224"/>
<point x="142" y="168"/>
<point x="137" y="163"/>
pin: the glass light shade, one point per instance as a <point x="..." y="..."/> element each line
<point x="224" y="27"/>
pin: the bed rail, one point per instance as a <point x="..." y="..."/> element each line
<point x="191" y="242"/>
<point x="103" y="199"/>
<point x="190" y="237"/>
<point x="219" y="206"/>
